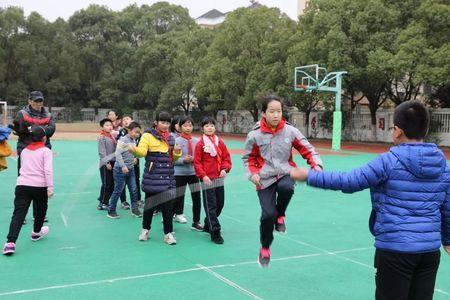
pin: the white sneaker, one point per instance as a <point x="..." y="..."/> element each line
<point x="170" y="239"/>
<point x="145" y="235"/>
<point x="39" y="235"/>
<point x="180" y="219"/>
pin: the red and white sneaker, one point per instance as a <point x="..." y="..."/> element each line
<point x="280" y="225"/>
<point x="264" y="257"/>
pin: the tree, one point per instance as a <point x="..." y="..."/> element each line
<point x="12" y="27"/>
<point x="191" y="46"/>
<point x="95" y="33"/>
<point x="349" y="35"/>
<point x="246" y="59"/>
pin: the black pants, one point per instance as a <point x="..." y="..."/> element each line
<point x="403" y="276"/>
<point x="137" y="173"/>
<point x="107" y="187"/>
<point x="167" y="214"/>
<point x="178" y="206"/>
<point x="18" y="174"/>
<point x="24" y="196"/>
<point x="18" y="165"/>
<point x="213" y="202"/>
<point x="274" y="201"/>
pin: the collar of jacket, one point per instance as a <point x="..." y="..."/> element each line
<point x="36" y="145"/>
<point x="266" y="129"/>
<point x="42" y="112"/>
<point x="159" y="135"/>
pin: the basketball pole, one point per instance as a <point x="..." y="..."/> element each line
<point x="324" y="84"/>
<point x="337" y="116"/>
<point x="5" y="113"/>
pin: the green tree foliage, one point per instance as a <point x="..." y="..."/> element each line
<point x="190" y="48"/>
<point x="156" y="57"/>
<point x="246" y="58"/>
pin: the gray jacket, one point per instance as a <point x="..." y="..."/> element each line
<point x="106" y="149"/>
<point x="269" y="154"/>
<point x="182" y="169"/>
<point x="124" y="158"/>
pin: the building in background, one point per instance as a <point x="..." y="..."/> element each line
<point x="301" y="6"/>
<point x="211" y="19"/>
<point x="214" y="17"/>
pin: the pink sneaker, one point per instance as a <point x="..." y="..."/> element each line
<point x="37" y="236"/>
<point x="9" y="249"/>
<point x="280" y="225"/>
<point x="264" y="257"/>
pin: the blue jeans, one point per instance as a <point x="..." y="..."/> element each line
<point x="120" y="180"/>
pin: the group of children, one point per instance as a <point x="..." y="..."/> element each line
<point x="173" y="160"/>
<point x="410" y="186"/>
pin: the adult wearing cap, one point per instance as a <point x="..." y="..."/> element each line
<point x="33" y="114"/>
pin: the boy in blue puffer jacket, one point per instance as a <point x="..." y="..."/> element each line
<point x="410" y="219"/>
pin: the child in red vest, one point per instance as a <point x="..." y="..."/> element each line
<point x="212" y="162"/>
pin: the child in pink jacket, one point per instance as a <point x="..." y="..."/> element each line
<point x="35" y="183"/>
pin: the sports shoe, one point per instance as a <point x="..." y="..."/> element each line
<point x="9" y="249"/>
<point x="125" y="205"/>
<point x="216" y="237"/>
<point x="145" y="235"/>
<point x="170" y="239"/>
<point x="197" y="226"/>
<point x="264" y="257"/>
<point x="39" y="235"/>
<point x="102" y="207"/>
<point x="180" y="219"/>
<point x="280" y="225"/>
<point x="136" y="212"/>
<point x="113" y="215"/>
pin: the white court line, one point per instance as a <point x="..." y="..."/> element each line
<point x="70" y="285"/>
<point x="234" y="219"/>
<point x="229" y="282"/>
<point x="55" y="287"/>
<point x="68" y="248"/>
<point x="64" y="219"/>
<point x="442" y="292"/>
<point x="326" y="251"/>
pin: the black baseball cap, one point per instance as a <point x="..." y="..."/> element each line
<point x="36" y="96"/>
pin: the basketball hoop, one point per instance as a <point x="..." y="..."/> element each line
<point x="312" y="77"/>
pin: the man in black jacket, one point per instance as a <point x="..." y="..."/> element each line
<point x="33" y="114"/>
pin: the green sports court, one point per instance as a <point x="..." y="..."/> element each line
<point x="327" y="253"/>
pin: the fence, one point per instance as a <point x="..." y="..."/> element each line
<point x="357" y="126"/>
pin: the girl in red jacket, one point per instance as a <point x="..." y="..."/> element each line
<point x="212" y="162"/>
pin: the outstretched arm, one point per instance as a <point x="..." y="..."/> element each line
<point x="367" y="176"/>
